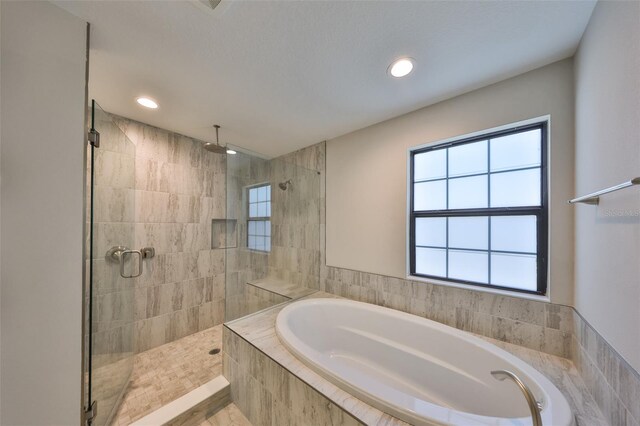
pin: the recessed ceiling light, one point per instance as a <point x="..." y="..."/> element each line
<point x="401" y="67"/>
<point x="148" y="103"/>
<point x="231" y="151"/>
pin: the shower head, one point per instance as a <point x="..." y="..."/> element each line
<point x="284" y="185"/>
<point x="215" y="147"/>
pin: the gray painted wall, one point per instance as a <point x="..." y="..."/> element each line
<point x="367" y="173"/>
<point x="607" y="80"/>
<point x="42" y="164"/>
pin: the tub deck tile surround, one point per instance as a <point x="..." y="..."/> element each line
<point x="614" y="384"/>
<point x="272" y="387"/>
<point x="554" y="329"/>
<point x="562" y="373"/>
<point x="255" y="358"/>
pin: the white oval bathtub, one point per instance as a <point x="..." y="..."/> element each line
<point x="415" y="369"/>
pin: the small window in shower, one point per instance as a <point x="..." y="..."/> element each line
<point x="479" y="210"/>
<point x="259" y="218"/>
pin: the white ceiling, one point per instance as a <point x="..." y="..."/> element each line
<point x="282" y="75"/>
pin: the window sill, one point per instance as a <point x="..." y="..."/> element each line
<point x="258" y="250"/>
<point x="528" y="296"/>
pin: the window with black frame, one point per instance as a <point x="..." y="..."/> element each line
<point x="259" y="214"/>
<point x="478" y="210"/>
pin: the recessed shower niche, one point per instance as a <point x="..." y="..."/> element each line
<point x="224" y="233"/>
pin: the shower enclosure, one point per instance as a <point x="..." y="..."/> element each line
<point x="156" y="264"/>
<point x="227" y="235"/>
<point x="273" y="233"/>
<point x="111" y="266"/>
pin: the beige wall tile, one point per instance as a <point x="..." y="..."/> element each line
<point x="163" y="195"/>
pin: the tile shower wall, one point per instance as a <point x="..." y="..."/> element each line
<point x="312" y="158"/>
<point x="244" y="265"/>
<point x="296" y="222"/>
<point x="295" y="229"/>
<point x="179" y="189"/>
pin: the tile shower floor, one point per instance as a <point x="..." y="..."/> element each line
<point x="167" y="372"/>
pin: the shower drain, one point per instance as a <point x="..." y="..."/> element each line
<point x="214" y="351"/>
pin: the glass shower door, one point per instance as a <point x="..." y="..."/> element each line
<point x="274" y="206"/>
<point x="113" y="265"/>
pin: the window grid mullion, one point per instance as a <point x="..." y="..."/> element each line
<point x="523" y="253"/>
<point x="489" y="206"/>
<point x="497" y="172"/>
<point x="447" y="249"/>
<point x="446" y="252"/>
<point x="256" y="219"/>
<point x="498" y="211"/>
<point x="538" y="211"/>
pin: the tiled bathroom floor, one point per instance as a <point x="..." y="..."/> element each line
<point x="167" y="372"/>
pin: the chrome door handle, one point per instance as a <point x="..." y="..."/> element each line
<point x="123" y="253"/>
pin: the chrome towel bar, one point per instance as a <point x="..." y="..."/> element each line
<point x="594" y="197"/>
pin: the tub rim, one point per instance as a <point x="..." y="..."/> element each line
<point x="555" y="404"/>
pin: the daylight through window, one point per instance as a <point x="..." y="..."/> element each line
<point x="259" y="223"/>
<point x="479" y="210"/>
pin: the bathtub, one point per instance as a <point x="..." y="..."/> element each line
<point x="415" y="369"/>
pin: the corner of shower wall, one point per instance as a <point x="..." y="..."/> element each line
<point x="243" y="265"/>
<point x="290" y="267"/>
